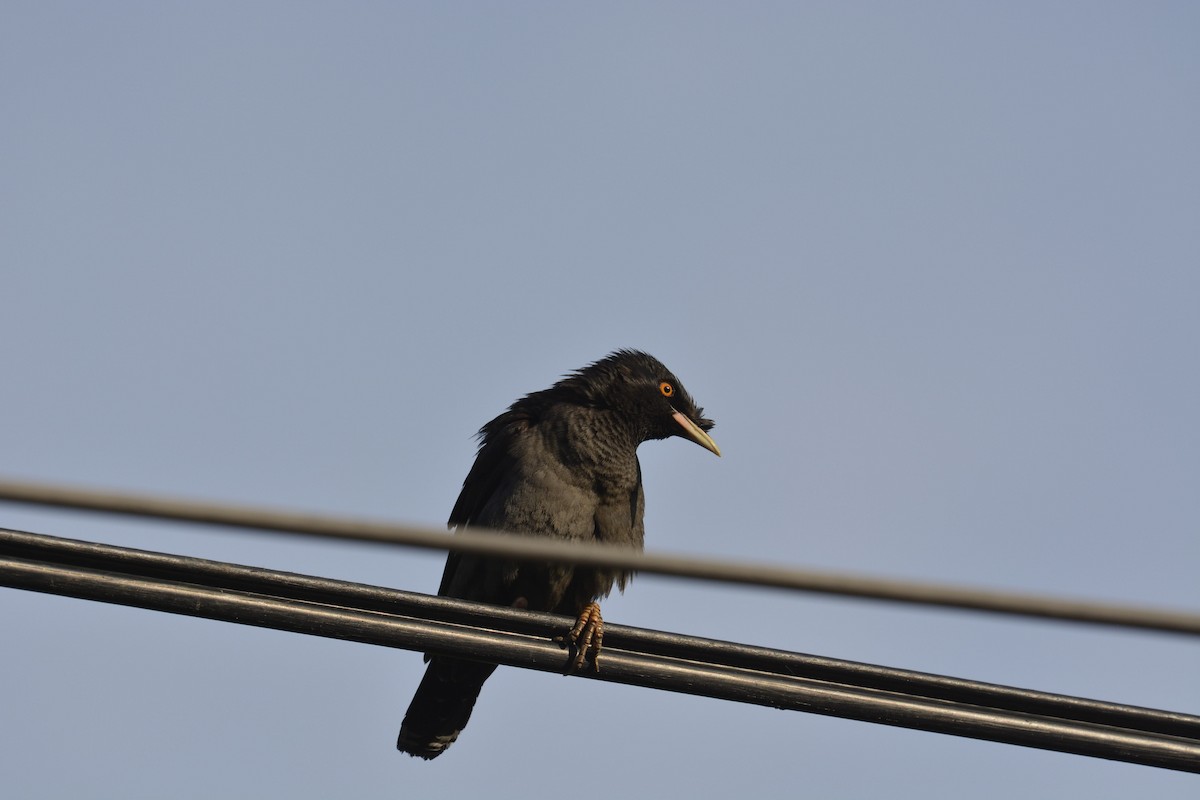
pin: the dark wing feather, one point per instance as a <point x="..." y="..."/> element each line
<point x="492" y="463"/>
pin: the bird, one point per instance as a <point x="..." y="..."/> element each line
<point x="560" y="463"/>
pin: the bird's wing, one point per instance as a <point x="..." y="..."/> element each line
<point x="494" y="461"/>
<point x="452" y="561"/>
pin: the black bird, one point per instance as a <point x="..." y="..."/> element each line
<point x="560" y="463"/>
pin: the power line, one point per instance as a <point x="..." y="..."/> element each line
<point x="539" y="549"/>
<point x="375" y="615"/>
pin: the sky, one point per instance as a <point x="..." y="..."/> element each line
<point x="932" y="268"/>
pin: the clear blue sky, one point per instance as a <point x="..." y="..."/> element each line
<point x="933" y="268"/>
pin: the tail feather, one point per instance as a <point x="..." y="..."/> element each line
<point x="442" y="705"/>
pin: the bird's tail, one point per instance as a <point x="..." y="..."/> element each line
<point x="442" y="705"/>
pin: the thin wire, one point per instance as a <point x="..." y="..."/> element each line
<point x="335" y="609"/>
<point x="491" y="543"/>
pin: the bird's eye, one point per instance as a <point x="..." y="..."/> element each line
<point x="666" y="388"/>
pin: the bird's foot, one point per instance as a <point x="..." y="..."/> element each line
<point x="588" y="634"/>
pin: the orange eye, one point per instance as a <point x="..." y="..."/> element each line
<point x="666" y="388"/>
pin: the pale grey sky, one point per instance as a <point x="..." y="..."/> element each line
<point x="933" y="268"/>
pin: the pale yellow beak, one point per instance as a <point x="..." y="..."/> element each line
<point x="693" y="432"/>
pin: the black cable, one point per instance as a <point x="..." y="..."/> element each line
<point x="374" y="615"/>
<point x="543" y="549"/>
<point x="215" y="574"/>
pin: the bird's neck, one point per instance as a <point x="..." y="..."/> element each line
<point x="601" y="440"/>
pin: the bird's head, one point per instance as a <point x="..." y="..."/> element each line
<point x="641" y="389"/>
